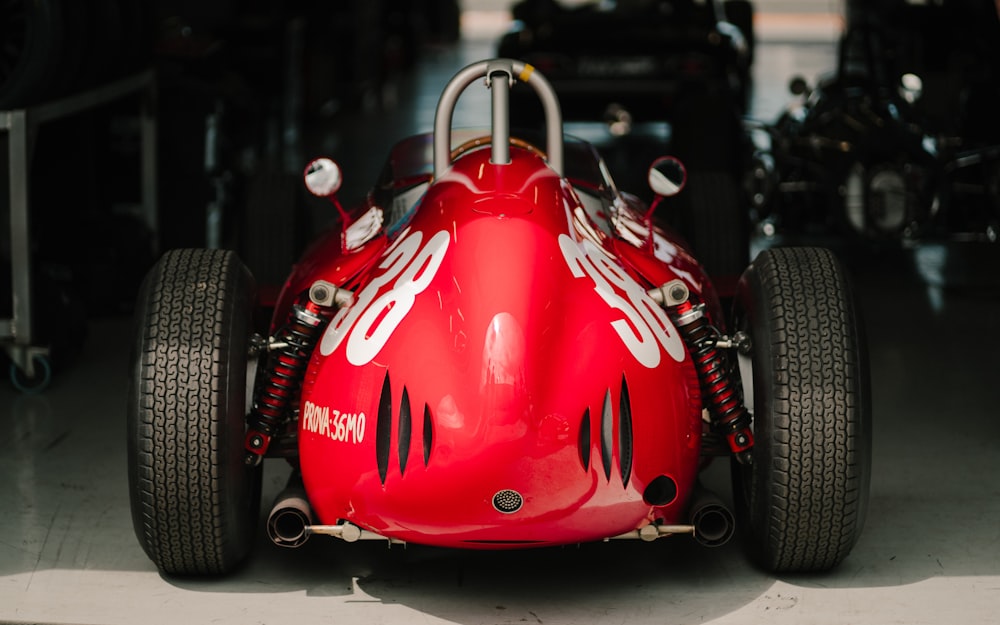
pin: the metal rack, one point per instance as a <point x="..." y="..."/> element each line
<point x="21" y="126"/>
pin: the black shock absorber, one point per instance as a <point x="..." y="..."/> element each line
<point x="728" y="416"/>
<point x="277" y="392"/>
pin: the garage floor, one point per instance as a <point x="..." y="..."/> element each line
<point x="929" y="554"/>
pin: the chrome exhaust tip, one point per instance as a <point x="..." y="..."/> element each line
<point x="714" y="523"/>
<point x="289" y="518"/>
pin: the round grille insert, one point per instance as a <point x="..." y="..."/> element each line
<point x="508" y="501"/>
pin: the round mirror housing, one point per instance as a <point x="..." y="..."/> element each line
<point x="667" y="176"/>
<point x="323" y="177"/>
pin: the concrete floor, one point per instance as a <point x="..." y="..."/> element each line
<point x="929" y="553"/>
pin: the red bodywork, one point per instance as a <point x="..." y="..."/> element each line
<point x="501" y="350"/>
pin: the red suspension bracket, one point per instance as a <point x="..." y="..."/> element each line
<point x="277" y="394"/>
<point x="722" y="397"/>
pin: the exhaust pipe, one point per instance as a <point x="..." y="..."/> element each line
<point x="290" y="515"/>
<point x="714" y="523"/>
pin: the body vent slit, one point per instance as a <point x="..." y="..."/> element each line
<point x="428" y="434"/>
<point x="625" y="433"/>
<point x="607" y="434"/>
<point x="405" y="429"/>
<point x="383" y="429"/>
<point x="584" y="442"/>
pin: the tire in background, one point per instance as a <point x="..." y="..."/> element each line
<point x="715" y="222"/>
<point x="713" y="214"/>
<point x="802" y="503"/>
<point x="194" y="502"/>
<point x="56" y="48"/>
<point x="270" y="230"/>
<point x="740" y="14"/>
<point x="32" y="36"/>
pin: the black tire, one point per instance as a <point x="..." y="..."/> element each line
<point x="802" y="502"/>
<point x="104" y="39"/>
<point x="36" y="383"/>
<point x="740" y="13"/>
<point x="31" y="32"/>
<point x="716" y="223"/>
<point x="138" y="23"/>
<point x="194" y="502"/>
<point x="269" y="237"/>
<point x="707" y="135"/>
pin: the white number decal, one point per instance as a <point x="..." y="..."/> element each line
<point x="375" y="315"/>
<point x="645" y="326"/>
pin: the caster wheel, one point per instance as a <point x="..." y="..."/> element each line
<point x="32" y="383"/>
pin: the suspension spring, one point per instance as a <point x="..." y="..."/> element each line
<point x="278" y="390"/>
<point x="728" y="416"/>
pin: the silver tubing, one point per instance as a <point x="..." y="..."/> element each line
<point x="553" y="114"/>
<point x="517" y="70"/>
<point x="499" y="82"/>
<point x="649" y="533"/>
<point x="348" y="532"/>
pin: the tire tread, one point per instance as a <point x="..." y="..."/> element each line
<point x="818" y="466"/>
<point x="182" y="498"/>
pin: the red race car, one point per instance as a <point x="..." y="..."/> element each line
<point x="499" y="349"/>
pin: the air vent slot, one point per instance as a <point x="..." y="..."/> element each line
<point x="383" y="429"/>
<point x="585" y="440"/>
<point x="428" y="434"/>
<point x="607" y="434"/>
<point x="504" y="542"/>
<point x="625" y="433"/>
<point x="405" y="430"/>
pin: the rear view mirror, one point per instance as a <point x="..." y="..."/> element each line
<point x="667" y="176"/>
<point x="323" y="177"/>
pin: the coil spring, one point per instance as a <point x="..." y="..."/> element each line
<point x="280" y="386"/>
<point x="724" y="401"/>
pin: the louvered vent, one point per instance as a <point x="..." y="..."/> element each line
<point x="607" y="434"/>
<point x="625" y="433"/>
<point x="405" y="430"/>
<point x="383" y="429"/>
<point x="612" y="422"/>
<point x="428" y="434"/>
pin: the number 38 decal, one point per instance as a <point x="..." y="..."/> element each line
<point x="408" y="268"/>
<point x="643" y="327"/>
<point x="368" y="324"/>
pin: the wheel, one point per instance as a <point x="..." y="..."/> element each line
<point x="269" y="230"/>
<point x="32" y="383"/>
<point x="101" y="35"/>
<point x="194" y="502"/>
<point x="802" y="501"/>
<point x="716" y="223"/>
<point x="443" y="20"/>
<point x="740" y="13"/>
<point x="714" y="215"/>
<point x="32" y="34"/>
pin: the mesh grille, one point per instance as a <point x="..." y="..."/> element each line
<point x="508" y="501"/>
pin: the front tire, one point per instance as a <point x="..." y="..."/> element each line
<point x="194" y="502"/>
<point x="802" y="501"/>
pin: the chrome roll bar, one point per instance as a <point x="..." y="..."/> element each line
<point x="500" y="74"/>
